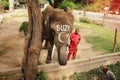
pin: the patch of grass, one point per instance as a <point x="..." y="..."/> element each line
<point x="2" y="49"/>
<point x="65" y="4"/>
<point x="100" y="43"/>
<point x="41" y="76"/>
<point x="64" y="78"/>
<point x="101" y="38"/>
<point x="79" y="6"/>
<point x="86" y="19"/>
<point x="19" y="16"/>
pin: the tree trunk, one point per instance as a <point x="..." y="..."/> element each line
<point x="33" y="39"/>
<point x="57" y="3"/>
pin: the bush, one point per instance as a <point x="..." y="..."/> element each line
<point x="24" y="27"/>
<point x="86" y="75"/>
<point x="41" y="76"/>
<point x="65" y="4"/>
<point x="79" y="6"/>
<point x="85" y="19"/>
<point x="115" y="68"/>
<point x="4" y="3"/>
<point x="93" y="7"/>
<point x="98" y="5"/>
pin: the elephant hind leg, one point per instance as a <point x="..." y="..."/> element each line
<point x="49" y="56"/>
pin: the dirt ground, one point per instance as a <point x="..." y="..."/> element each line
<point x="12" y="42"/>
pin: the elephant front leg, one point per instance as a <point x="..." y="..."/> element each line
<point x="49" y="56"/>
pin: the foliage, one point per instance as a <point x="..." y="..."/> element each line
<point x="41" y="76"/>
<point x="41" y="1"/>
<point x="115" y="68"/>
<point x="93" y="7"/>
<point x="4" y="3"/>
<point x="65" y="4"/>
<point x="99" y="37"/>
<point x="86" y="19"/>
<point x="79" y="6"/>
<point x="84" y="2"/>
<point x="98" y="5"/>
<point x="24" y="27"/>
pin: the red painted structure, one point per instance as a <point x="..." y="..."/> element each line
<point x="115" y="6"/>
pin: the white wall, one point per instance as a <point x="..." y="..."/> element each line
<point x="11" y="6"/>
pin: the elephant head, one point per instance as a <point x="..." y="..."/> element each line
<point x="57" y="26"/>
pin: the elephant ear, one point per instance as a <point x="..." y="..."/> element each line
<point x="68" y="10"/>
<point x="46" y="14"/>
<point x="48" y="10"/>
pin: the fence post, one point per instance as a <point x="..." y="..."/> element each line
<point x="115" y="41"/>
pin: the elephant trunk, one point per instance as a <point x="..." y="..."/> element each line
<point x="61" y="41"/>
<point x="62" y="55"/>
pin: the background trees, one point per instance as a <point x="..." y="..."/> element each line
<point x="115" y="6"/>
<point x="4" y="4"/>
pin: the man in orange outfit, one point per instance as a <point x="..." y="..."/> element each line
<point x="74" y="41"/>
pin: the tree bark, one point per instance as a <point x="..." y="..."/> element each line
<point x="57" y="3"/>
<point x="33" y="39"/>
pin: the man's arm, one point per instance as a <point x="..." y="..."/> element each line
<point x="112" y="76"/>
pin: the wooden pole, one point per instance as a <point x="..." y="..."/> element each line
<point x="115" y="41"/>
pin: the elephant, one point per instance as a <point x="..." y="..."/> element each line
<point x="57" y="26"/>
